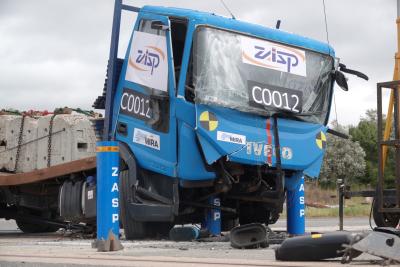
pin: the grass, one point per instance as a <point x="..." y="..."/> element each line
<point x="349" y="211"/>
<point x="354" y="207"/>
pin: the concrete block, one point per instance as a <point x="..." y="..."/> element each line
<point x="27" y="156"/>
<point x="73" y="138"/>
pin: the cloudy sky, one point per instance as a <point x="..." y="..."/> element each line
<point x="54" y="53"/>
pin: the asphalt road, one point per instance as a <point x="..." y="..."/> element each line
<point x="67" y="249"/>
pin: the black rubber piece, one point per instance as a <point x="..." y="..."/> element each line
<point x="313" y="247"/>
<point x="248" y="236"/>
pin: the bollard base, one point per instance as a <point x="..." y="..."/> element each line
<point x="111" y="244"/>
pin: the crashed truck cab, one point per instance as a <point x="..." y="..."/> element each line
<point x="212" y="106"/>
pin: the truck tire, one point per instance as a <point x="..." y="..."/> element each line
<point x="133" y="229"/>
<point x="158" y="230"/>
<point x="228" y="224"/>
<point x="383" y="219"/>
<point x="27" y="227"/>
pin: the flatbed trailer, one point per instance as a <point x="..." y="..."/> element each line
<point x="76" y="166"/>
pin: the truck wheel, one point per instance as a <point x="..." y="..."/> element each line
<point x="159" y="230"/>
<point x="383" y="219"/>
<point x="133" y="229"/>
<point x="228" y="224"/>
<point x="27" y="227"/>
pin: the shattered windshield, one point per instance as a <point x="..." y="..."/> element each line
<point x="259" y="76"/>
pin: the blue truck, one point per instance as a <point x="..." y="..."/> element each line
<point x="208" y="106"/>
<point x="203" y="107"/>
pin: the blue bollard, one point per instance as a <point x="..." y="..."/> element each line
<point x="295" y="204"/>
<point x="107" y="191"/>
<point x="213" y="217"/>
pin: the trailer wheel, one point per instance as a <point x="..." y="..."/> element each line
<point x="133" y="229"/>
<point x="27" y="227"/>
<point x="384" y="219"/>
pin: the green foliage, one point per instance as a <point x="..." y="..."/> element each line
<point x="344" y="159"/>
<point x="366" y="134"/>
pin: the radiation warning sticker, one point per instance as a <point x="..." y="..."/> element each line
<point x="208" y="121"/>
<point x="320" y="139"/>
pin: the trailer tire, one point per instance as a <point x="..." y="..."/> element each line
<point x="384" y="219"/>
<point x="27" y="227"/>
<point x="133" y="229"/>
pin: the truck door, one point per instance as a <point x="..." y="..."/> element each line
<point x="146" y="117"/>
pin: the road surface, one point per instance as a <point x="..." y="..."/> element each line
<point x="66" y="249"/>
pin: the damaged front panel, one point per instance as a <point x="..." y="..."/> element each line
<point x="248" y="139"/>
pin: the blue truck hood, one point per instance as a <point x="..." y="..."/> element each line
<point x="249" y="139"/>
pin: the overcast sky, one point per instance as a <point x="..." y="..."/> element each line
<point x="54" y="53"/>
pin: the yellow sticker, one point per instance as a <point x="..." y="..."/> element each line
<point x="316" y="235"/>
<point x="320" y="139"/>
<point x="208" y="121"/>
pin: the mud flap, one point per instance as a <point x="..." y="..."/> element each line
<point x="248" y="236"/>
<point x="314" y="247"/>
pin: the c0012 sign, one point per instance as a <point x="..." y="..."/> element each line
<point x="135" y="104"/>
<point x="264" y="95"/>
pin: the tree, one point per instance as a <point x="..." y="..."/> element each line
<point x="344" y="159"/>
<point x="366" y="134"/>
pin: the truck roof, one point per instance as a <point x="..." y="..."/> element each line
<point x="200" y="17"/>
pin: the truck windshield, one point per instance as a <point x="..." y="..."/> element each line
<point x="259" y="76"/>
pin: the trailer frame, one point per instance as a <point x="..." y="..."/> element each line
<point x="11" y="179"/>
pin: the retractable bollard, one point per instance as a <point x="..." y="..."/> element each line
<point x="213" y="217"/>
<point x="295" y="204"/>
<point x="107" y="197"/>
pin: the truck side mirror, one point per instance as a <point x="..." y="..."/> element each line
<point x="341" y="80"/>
<point x="158" y="25"/>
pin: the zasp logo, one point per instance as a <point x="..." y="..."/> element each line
<point x="278" y="56"/>
<point x="208" y="121"/>
<point x="147" y="59"/>
<point x="273" y="56"/>
<point x="320" y="139"/>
